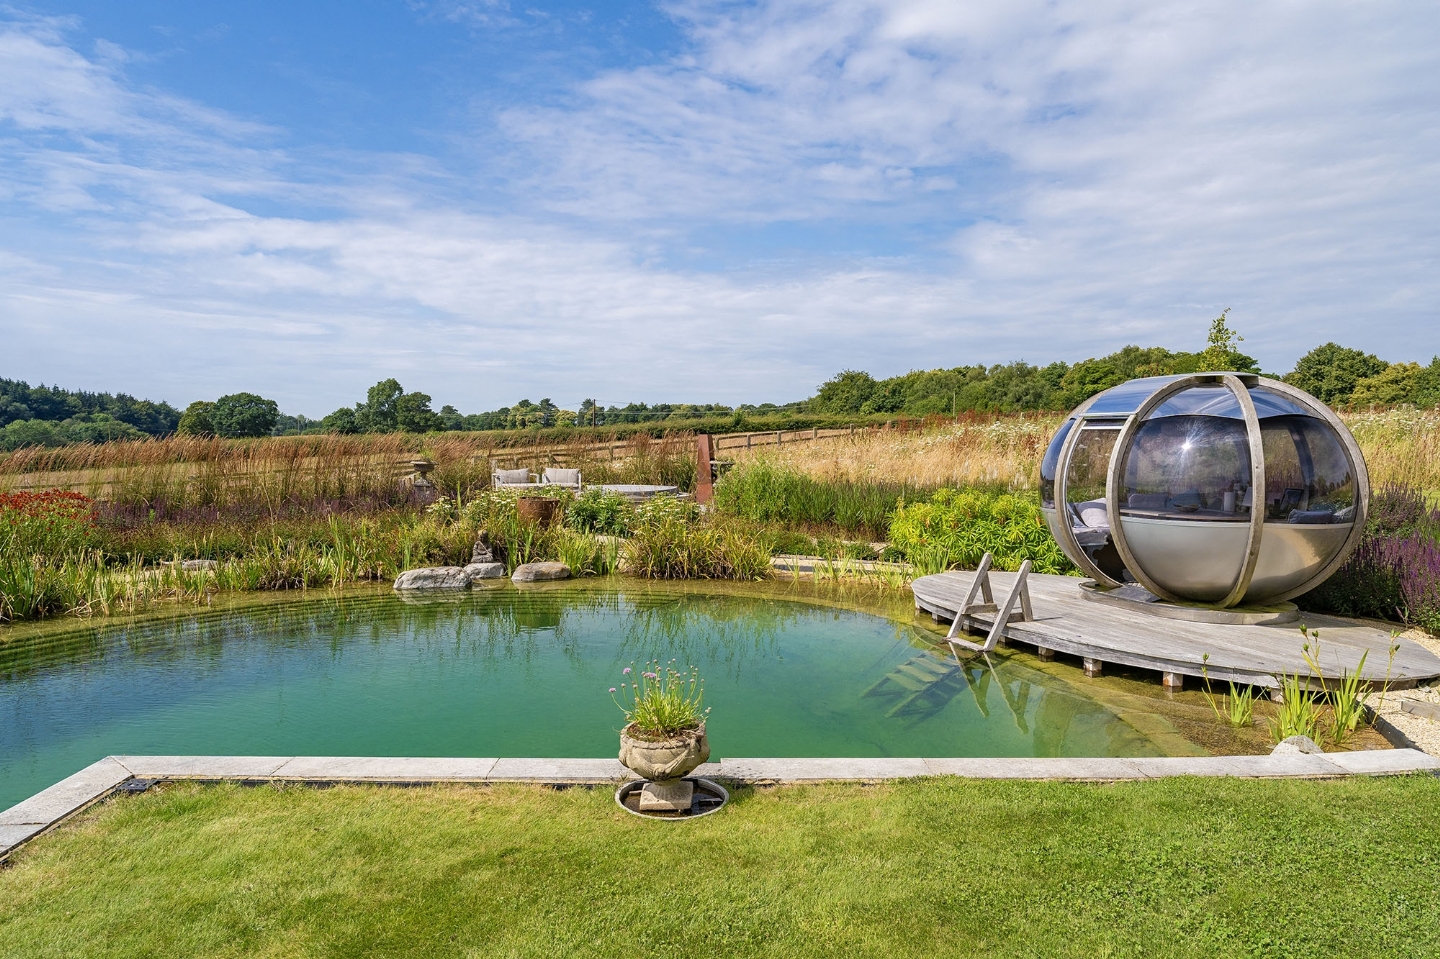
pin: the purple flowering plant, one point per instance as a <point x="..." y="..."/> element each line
<point x="659" y="700"/>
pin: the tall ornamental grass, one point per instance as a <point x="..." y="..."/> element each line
<point x="671" y="540"/>
<point x="977" y="449"/>
<point x="1401" y="448"/>
<point x="765" y="491"/>
<point x="181" y="476"/>
<point x="955" y="528"/>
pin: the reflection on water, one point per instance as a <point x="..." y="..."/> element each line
<point x="512" y="672"/>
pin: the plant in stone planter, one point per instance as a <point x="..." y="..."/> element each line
<point x="664" y="734"/>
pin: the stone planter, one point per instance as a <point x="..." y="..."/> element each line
<point x="667" y="759"/>
<point x="541" y="510"/>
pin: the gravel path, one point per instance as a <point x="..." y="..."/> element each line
<point x="1424" y="732"/>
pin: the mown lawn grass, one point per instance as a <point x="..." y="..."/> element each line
<point x="926" y="868"/>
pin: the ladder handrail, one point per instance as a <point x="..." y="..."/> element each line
<point x="1004" y="613"/>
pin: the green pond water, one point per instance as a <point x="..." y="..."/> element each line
<point x="523" y="672"/>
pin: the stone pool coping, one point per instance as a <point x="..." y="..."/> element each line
<point x="48" y="808"/>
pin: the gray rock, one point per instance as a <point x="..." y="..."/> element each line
<point x="433" y="577"/>
<point x="485" y="571"/>
<point x="1296" y="746"/>
<point x="191" y="565"/>
<point x="540" y="572"/>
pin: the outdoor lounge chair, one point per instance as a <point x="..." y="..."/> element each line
<point x="561" y="477"/>
<point x="503" y="478"/>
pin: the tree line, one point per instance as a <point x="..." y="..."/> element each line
<point x="1340" y="376"/>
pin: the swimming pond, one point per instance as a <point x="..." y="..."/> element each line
<point x="525" y="672"/>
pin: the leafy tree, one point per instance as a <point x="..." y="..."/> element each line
<point x="287" y="425"/>
<point x="20" y="401"/>
<point x="451" y="418"/>
<point x="523" y="415"/>
<point x="1392" y="386"/>
<point x="590" y="414"/>
<point x="1427" y="385"/>
<point x="1329" y="373"/>
<point x="198" y="419"/>
<point x="380" y="411"/>
<point x="1221" y="350"/>
<point x="413" y="414"/>
<point x="341" y="421"/>
<point x="389" y="409"/>
<point x="846" y="393"/>
<point x="80" y="428"/>
<point x="493" y="420"/>
<point x="887" y="397"/>
<point x="244" y="414"/>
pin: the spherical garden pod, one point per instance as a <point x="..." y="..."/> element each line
<point x="1224" y="489"/>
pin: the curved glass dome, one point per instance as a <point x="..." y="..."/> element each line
<point x="1218" y="488"/>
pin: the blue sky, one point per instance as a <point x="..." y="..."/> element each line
<point x="700" y="201"/>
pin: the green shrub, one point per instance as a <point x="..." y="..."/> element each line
<point x="957" y="527"/>
<point x="600" y="511"/>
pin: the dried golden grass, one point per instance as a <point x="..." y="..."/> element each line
<point x="988" y="450"/>
<point x="1400" y="446"/>
<point x="192" y="471"/>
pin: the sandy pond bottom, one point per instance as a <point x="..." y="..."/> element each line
<point x="791" y="670"/>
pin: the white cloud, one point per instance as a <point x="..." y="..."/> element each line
<point x="1091" y="174"/>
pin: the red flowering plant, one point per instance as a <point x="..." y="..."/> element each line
<point x="50" y="525"/>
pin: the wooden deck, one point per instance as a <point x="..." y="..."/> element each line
<point x="1097" y="633"/>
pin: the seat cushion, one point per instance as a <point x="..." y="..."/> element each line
<point x="508" y="477"/>
<point x="1311" y="517"/>
<point x="561" y="477"/>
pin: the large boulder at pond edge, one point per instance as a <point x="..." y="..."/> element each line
<point x="540" y="572"/>
<point x="485" y="571"/>
<point x="433" y="577"/>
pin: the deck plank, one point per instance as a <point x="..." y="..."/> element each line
<point x="1067" y="623"/>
